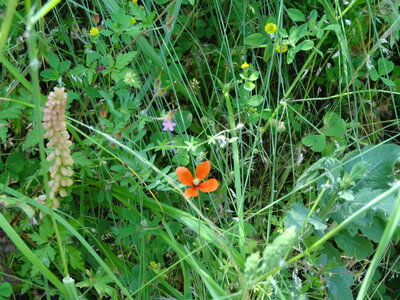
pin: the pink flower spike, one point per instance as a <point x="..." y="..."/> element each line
<point x="168" y="125"/>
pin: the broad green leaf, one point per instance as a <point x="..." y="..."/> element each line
<point x="375" y="230"/>
<point x="290" y="55"/>
<point x="380" y="160"/>
<point x="256" y="40"/>
<point x="354" y="246"/>
<point x="255" y="100"/>
<point x="5" y="289"/>
<point x="54" y="62"/>
<point x="296" y="15"/>
<point x="15" y="162"/>
<point x="3" y="130"/>
<point x="339" y="283"/>
<point x="49" y="75"/>
<point x="297" y="216"/>
<point x="254" y="76"/>
<point x="333" y="125"/>
<point x="373" y="74"/>
<point x="64" y="66"/>
<point x="387" y="81"/>
<point x="304" y="46"/>
<point x="182" y="158"/>
<point x="268" y="51"/>
<point x="385" y="66"/>
<point x="249" y="86"/>
<point x="183" y="120"/>
<point x="316" y="142"/>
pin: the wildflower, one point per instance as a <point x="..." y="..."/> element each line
<point x="244" y="65"/>
<point x="270" y="28"/>
<point x="202" y="170"/>
<point x="130" y="78"/>
<point x="134" y="1"/>
<point x="168" y="125"/>
<point x="56" y="132"/>
<point x="94" y="31"/>
<point x="133" y="20"/>
<point x="281" y="49"/>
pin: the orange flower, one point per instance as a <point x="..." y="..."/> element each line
<point x="202" y="170"/>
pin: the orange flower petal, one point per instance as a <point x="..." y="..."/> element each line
<point x="184" y="176"/>
<point x="191" y="192"/>
<point x="208" y="186"/>
<point x="203" y="169"/>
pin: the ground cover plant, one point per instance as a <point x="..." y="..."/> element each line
<point x="192" y="149"/>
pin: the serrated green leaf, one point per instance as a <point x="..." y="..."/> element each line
<point x="296" y="15"/>
<point x="80" y="159"/>
<point x="31" y="139"/>
<point x="354" y="246"/>
<point x="316" y="142"/>
<point x="123" y="60"/>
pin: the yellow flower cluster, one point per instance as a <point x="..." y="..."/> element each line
<point x="281" y="48"/>
<point x="94" y="31"/>
<point x="270" y="28"/>
<point x="244" y="65"/>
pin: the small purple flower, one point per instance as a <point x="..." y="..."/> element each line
<point x="168" y="125"/>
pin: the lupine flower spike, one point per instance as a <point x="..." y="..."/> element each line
<point x="202" y="170"/>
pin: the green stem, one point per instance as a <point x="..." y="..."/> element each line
<point x="11" y="5"/>
<point x="236" y="167"/>
<point x="386" y="238"/>
<point x="34" y="65"/>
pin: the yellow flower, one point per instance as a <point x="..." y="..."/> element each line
<point x="270" y="28"/>
<point x="281" y="49"/>
<point x="135" y="1"/>
<point x="133" y="20"/>
<point x="94" y="31"/>
<point x="244" y="65"/>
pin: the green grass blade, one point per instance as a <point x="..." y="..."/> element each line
<point x="386" y="238"/>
